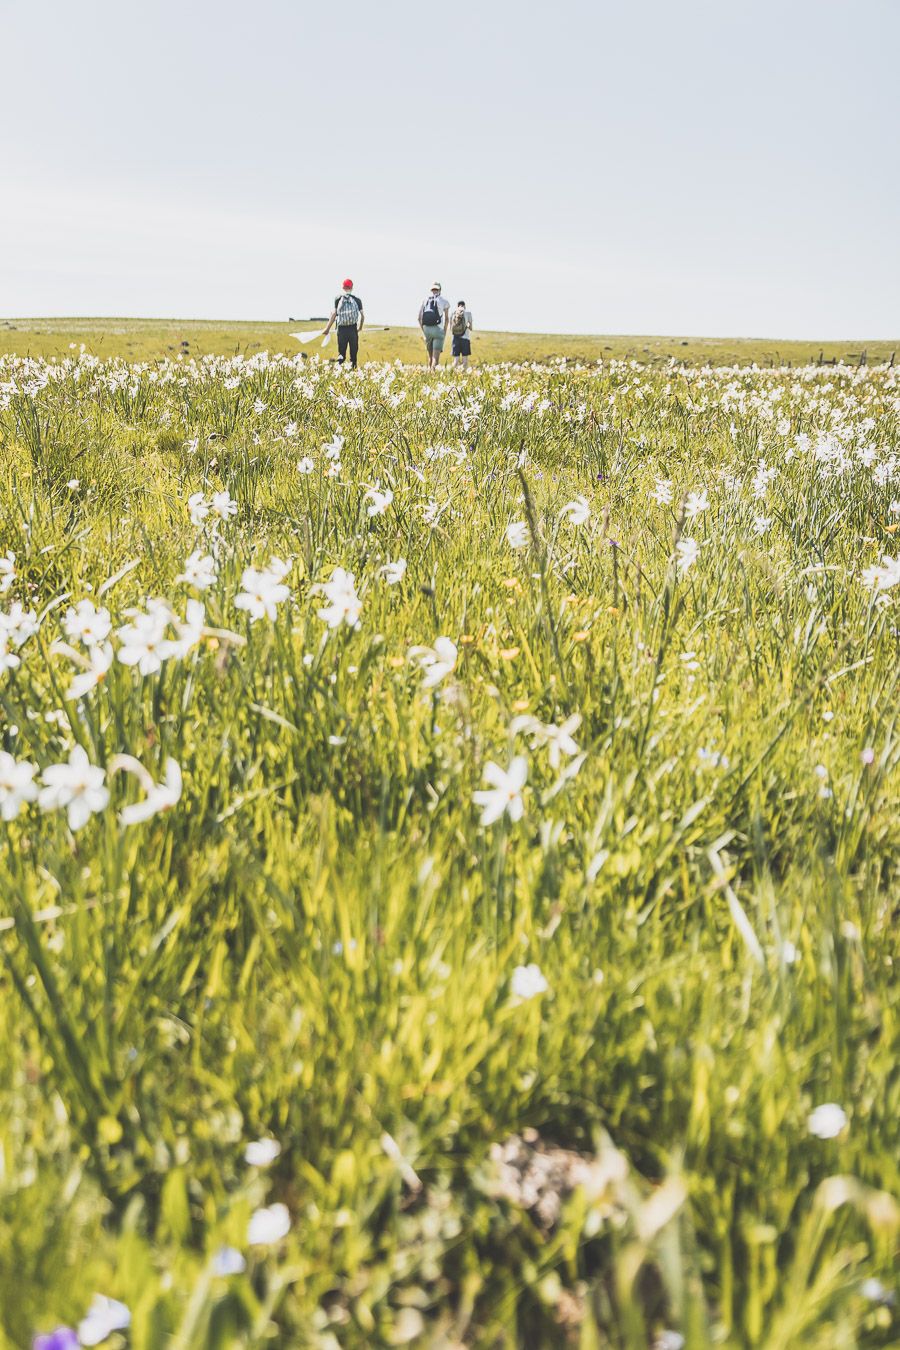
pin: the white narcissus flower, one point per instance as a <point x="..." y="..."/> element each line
<point x="223" y="504"/>
<point x="199" y="571"/>
<point x="378" y="500"/>
<point x="578" y="510"/>
<point x="762" y="524"/>
<point x="143" y="642"/>
<point x="334" y="447"/>
<point x="305" y="465"/>
<point x="198" y="508"/>
<point x="437" y="662"/>
<point x="228" y="1261"/>
<point x="344" y="605"/>
<point x="17" y="785"/>
<point x="518" y="534"/>
<point x="504" y="795"/>
<point x="8" y="659"/>
<point x="19" y="624"/>
<point x="695" y="503"/>
<point x="104" y="1316"/>
<point x="882" y="577"/>
<point x="77" y="787"/>
<point x="527" y="982"/>
<point x="189" y="630"/>
<point x="263" y="590"/>
<point x="662" y="492"/>
<point x="262" y="1152"/>
<point x="96" y="668"/>
<point x="558" y="739"/>
<point x="159" y="796"/>
<point x="85" y="623"/>
<point x="827" y="1121"/>
<point x="268" y="1225"/>
<point x="393" y="572"/>
<point x="686" y="552"/>
<point x="7" y="571"/>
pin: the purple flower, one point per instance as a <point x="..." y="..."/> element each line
<point x="63" y="1338"/>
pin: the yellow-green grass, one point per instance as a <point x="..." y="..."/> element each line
<point x="322" y="940"/>
<point x="152" y="339"/>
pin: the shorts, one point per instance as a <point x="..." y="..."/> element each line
<point x="462" y="346"/>
<point x="434" y="338"/>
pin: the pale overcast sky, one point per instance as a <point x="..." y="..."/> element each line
<point x="713" y="168"/>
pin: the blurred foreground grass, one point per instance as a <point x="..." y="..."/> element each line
<point x="550" y="1081"/>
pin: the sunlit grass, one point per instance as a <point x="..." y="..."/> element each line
<point x="318" y="942"/>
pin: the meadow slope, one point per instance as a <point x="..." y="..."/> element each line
<point x="159" y="339"/>
<point x="449" y="854"/>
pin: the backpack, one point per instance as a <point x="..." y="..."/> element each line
<point x="459" y="324"/>
<point x="347" y="310"/>
<point x="431" y="313"/>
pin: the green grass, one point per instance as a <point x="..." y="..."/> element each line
<point x="155" y="339"/>
<point x="317" y="942"/>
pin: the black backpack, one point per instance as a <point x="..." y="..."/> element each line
<point x="431" y="313"/>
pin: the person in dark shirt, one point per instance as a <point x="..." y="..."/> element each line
<point x="348" y="314"/>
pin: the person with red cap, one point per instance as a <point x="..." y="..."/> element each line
<point x="349" y="316"/>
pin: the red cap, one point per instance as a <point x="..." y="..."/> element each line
<point x="347" y="285"/>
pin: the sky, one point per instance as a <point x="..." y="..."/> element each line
<point x="688" y="168"/>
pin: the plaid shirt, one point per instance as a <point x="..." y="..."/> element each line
<point x="349" y="308"/>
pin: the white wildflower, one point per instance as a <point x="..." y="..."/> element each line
<point x="198" y="508"/>
<point x="527" y="982"/>
<point x="228" y="1261"/>
<point x="378" y="500"/>
<point x="77" y="787"/>
<point x="393" y="572"/>
<point x="578" y="510"/>
<point x="437" y="662"/>
<point x="94" y="671"/>
<point x="827" y="1121"/>
<point x="268" y="1225"/>
<point x="686" y="551"/>
<point x="517" y="534"/>
<point x="883" y="576"/>
<point x="85" y="623"/>
<point x="344" y="605"/>
<point x="7" y="572"/>
<point x="504" y="795"/>
<point x="263" y="590"/>
<point x="224" y="505"/>
<point x="262" y="1152"/>
<point x="199" y="571"/>
<point x="19" y="624"/>
<point x="159" y="796"/>
<point x="17" y="785"/>
<point x="104" y="1316"/>
<point x="695" y="503"/>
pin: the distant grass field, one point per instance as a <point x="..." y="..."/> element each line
<point x="152" y="339"/>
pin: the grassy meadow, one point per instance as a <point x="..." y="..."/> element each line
<point x="448" y="845"/>
<point x="159" y="339"/>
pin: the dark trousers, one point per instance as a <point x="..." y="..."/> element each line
<point x="348" y="338"/>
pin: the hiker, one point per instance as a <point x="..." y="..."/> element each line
<point x="460" y="328"/>
<point x="433" y="313"/>
<point x="348" y="312"/>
